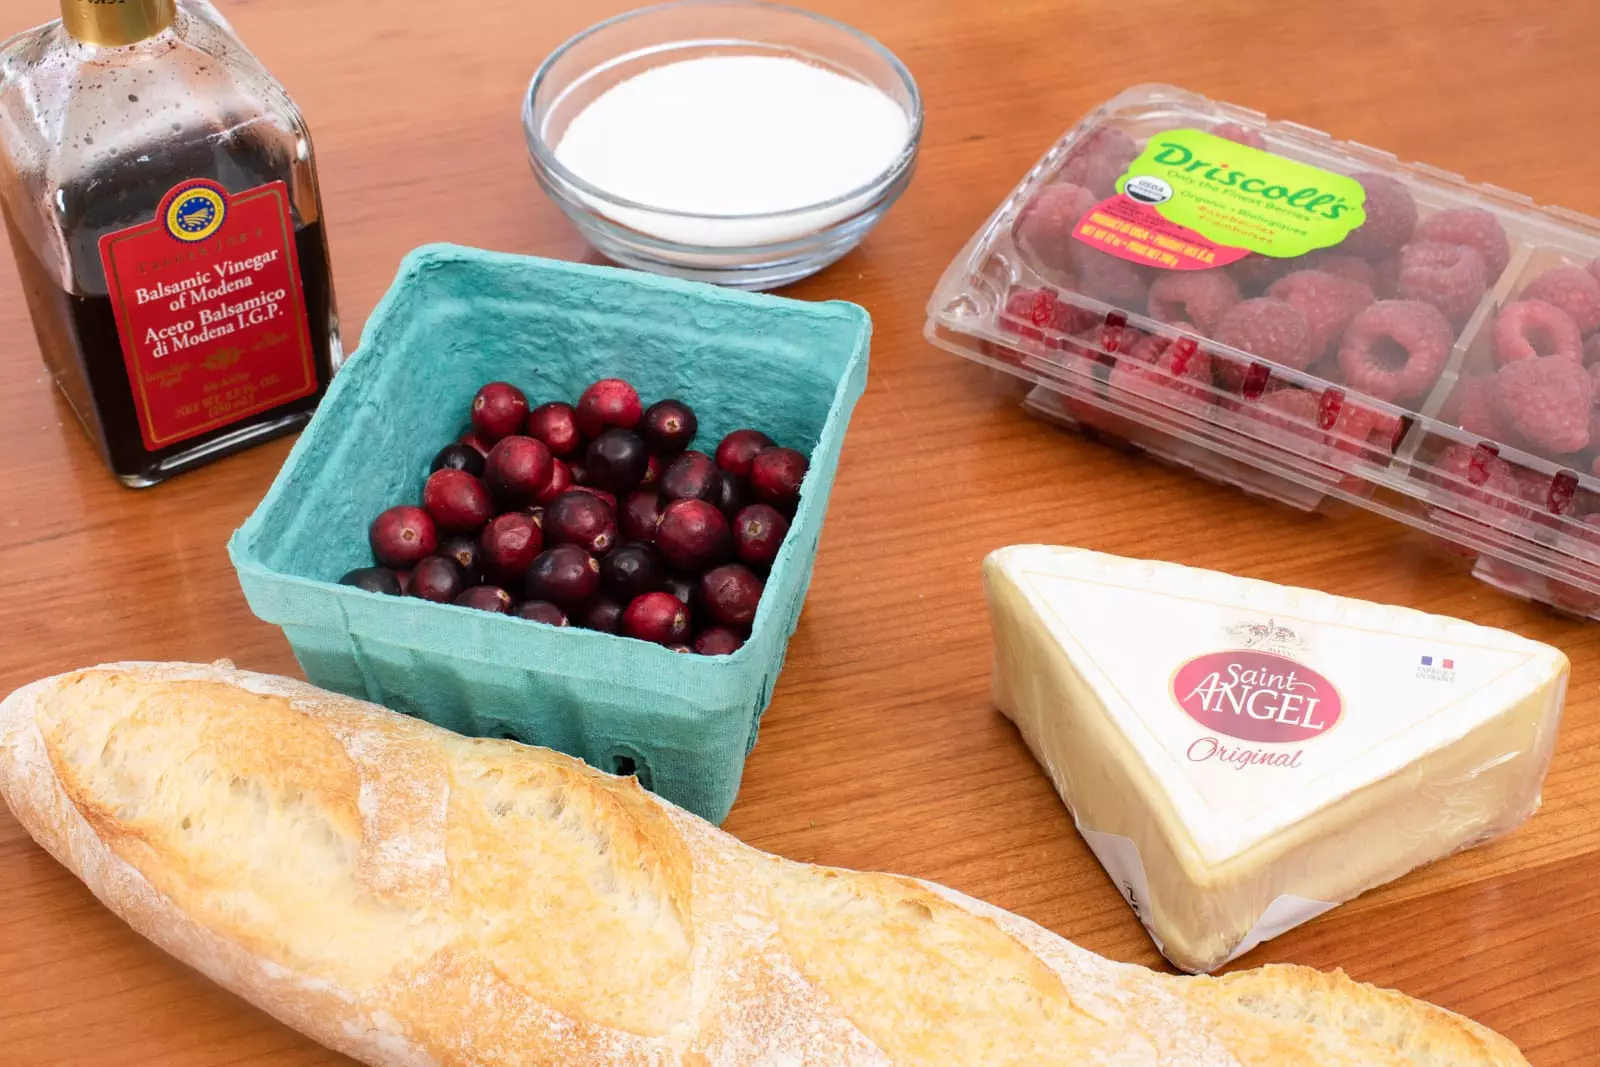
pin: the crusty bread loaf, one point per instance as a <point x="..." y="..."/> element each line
<point x="411" y="897"/>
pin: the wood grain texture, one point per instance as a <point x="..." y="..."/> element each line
<point x="881" y="749"/>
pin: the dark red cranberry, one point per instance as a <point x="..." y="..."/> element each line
<point x="686" y="587"/>
<point x="602" y="614"/>
<point x="658" y="617"/>
<point x="610" y="402"/>
<point x="499" y="410"/>
<point x="641" y="515"/>
<point x="486" y="598"/>
<point x="457" y="501"/>
<point x="730" y="594"/>
<point x="560" y="481"/>
<point x="437" y="579"/>
<point x="402" y="535"/>
<point x="517" y="471"/>
<point x="475" y="440"/>
<point x="564" y="575"/>
<point x="775" y="477"/>
<point x="718" y="641"/>
<point x="758" y="533"/>
<point x="405" y="581"/>
<point x="582" y="519"/>
<point x="730" y="495"/>
<point x="598" y="494"/>
<point x="578" y="470"/>
<point x="669" y="426"/>
<point x="631" y="571"/>
<point x="556" y="424"/>
<point x="739" y="448"/>
<point x="652" y="473"/>
<point x="458" y="457"/>
<point x="617" y="460"/>
<point x="692" y="476"/>
<point x="541" y="611"/>
<point x="463" y="548"/>
<point x="509" y="546"/>
<point x="693" y="535"/>
<point x="373" y="580"/>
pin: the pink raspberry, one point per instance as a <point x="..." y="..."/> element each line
<point x="1098" y="160"/>
<point x="1573" y="290"/>
<point x="1039" y="315"/>
<point x="1528" y="329"/>
<point x="1594" y="269"/>
<point x="1391" y="218"/>
<point x="1591" y="350"/>
<point x="1329" y="419"/>
<point x="1350" y="268"/>
<point x="1255" y="272"/>
<point x="1045" y="226"/>
<point x="1328" y="303"/>
<point x="1476" y="229"/>
<point x="1195" y="297"/>
<point x="1233" y="131"/>
<point x="1546" y="400"/>
<point x="1479" y="474"/>
<point x="1171" y="371"/>
<point x="1268" y="329"/>
<point x="1386" y="272"/>
<point x="1475" y="411"/>
<point x="1450" y="277"/>
<point x="1395" y="349"/>
<point x="1106" y="277"/>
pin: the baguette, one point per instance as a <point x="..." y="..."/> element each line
<point x="411" y="897"/>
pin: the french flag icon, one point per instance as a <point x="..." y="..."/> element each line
<point x="1447" y="664"/>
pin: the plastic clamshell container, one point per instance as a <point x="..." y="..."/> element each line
<point x="456" y="318"/>
<point x="1022" y="297"/>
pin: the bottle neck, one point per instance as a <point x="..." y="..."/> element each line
<point x="117" y="23"/>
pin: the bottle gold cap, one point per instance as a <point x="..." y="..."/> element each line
<point x="114" y="23"/>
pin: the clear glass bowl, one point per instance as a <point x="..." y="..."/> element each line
<point x="743" y="251"/>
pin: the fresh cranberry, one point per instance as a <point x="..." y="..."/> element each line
<point x="631" y="571"/>
<point x="499" y="410"/>
<point x="652" y="473"/>
<point x="739" y="448"/>
<point x="731" y="593"/>
<point x="617" y="460"/>
<point x="730" y="496"/>
<point x="458" y="457"/>
<point x="373" y="580"/>
<point x="437" y="579"/>
<point x="641" y="515"/>
<point x="693" y="535"/>
<point x="692" y="476"/>
<point x="556" y="424"/>
<point x="541" y="611"/>
<point x="685" y="587"/>
<point x="518" y="470"/>
<point x="775" y="477"/>
<point x="610" y="402"/>
<point x="578" y="470"/>
<point x="404" y="577"/>
<point x="602" y="614"/>
<point x="402" y="535"/>
<point x="582" y="519"/>
<point x="669" y="426"/>
<point x="486" y="598"/>
<point x="717" y="641"/>
<point x="598" y="494"/>
<point x="463" y="548"/>
<point x="457" y="501"/>
<point x="560" y="481"/>
<point x="564" y="575"/>
<point x="758" y="533"/>
<point x="509" y="546"/>
<point x="658" y="617"/>
<point x="475" y="440"/>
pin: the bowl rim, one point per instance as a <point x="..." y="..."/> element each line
<point x="544" y="155"/>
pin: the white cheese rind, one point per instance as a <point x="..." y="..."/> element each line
<point x="1419" y="763"/>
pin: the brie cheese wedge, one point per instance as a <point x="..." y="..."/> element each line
<point x="1242" y="756"/>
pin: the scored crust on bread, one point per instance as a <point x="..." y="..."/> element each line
<point x="412" y="897"/>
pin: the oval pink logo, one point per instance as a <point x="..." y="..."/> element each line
<point x="1257" y="696"/>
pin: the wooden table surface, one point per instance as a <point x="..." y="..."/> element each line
<point x="881" y="748"/>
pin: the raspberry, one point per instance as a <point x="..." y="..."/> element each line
<point x="1045" y="226"/>
<point x="1591" y="350"/>
<point x="1098" y="160"/>
<point x="1473" y="227"/>
<point x="1105" y="277"/>
<point x="1327" y="302"/>
<point x="1329" y="419"/>
<point x="1171" y="371"/>
<point x="1386" y="272"/>
<point x="1594" y="269"/>
<point x="1475" y="411"/>
<point x="1030" y="312"/>
<point x="1350" y="268"/>
<point x="1546" y="400"/>
<point x="1480" y="474"/>
<point x="1255" y="272"/>
<point x="1268" y="329"/>
<point x="1527" y="329"/>
<point x="1238" y="134"/>
<point x="1391" y="217"/>
<point x="1395" y="349"/>
<point x="1573" y="290"/>
<point x="1194" y="297"/>
<point x="1450" y="277"/>
<point x="1594" y="407"/>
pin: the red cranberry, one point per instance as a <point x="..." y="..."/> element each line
<point x="693" y="535"/>
<point x="582" y="519"/>
<point x="731" y="593"/>
<point x="652" y="473"/>
<point x="560" y="481"/>
<point x="758" y="533"/>
<point x="739" y="448"/>
<point x="602" y="614"/>
<point x="458" y="457"/>
<point x="692" y="476"/>
<point x="518" y="470"/>
<point x="607" y="403"/>
<point x="463" y="548"/>
<point x="564" y="575"/>
<point x="641" y="515"/>
<point x="579" y="471"/>
<point x="730" y="496"/>
<point x="405" y="581"/>
<point x="541" y="611"/>
<point x="499" y="410"/>
<point x="632" y="571"/>
<point x="658" y="617"/>
<point x="775" y="477"/>
<point x="402" y="535"/>
<point x="685" y="587"/>
<point x="437" y="579"/>
<point x="486" y="598"/>
<point x="475" y="440"/>
<point x="669" y="426"/>
<point x="616" y="460"/>
<point x="598" y="494"/>
<point x="509" y="546"/>
<point x="556" y="424"/>
<point x="457" y="501"/>
<point x="373" y="580"/>
<point x="718" y="641"/>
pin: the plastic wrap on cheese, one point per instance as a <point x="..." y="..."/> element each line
<point x="1243" y="756"/>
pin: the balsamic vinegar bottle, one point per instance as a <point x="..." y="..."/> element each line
<point x="160" y="194"/>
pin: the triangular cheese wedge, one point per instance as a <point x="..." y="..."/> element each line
<point x="1243" y="756"/>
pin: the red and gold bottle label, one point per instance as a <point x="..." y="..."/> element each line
<point x="210" y="310"/>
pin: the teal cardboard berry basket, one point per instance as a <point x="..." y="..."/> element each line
<point x="456" y="318"/>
